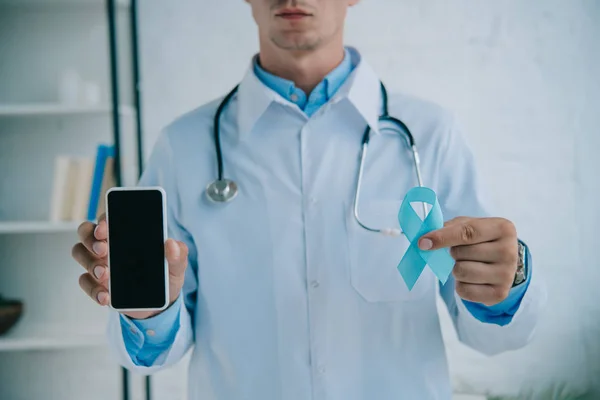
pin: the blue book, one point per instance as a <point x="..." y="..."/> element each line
<point x="103" y="153"/>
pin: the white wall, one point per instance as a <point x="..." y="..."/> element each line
<point x="522" y="77"/>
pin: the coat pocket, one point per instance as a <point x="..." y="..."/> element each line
<point x="374" y="257"/>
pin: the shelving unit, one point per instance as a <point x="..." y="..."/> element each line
<point x="23" y="227"/>
<point x="47" y="337"/>
<point x="122" y="4"/>
<point x="41" y="39"/>
<point x="60" y="110"/>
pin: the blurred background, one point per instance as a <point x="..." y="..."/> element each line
<point x="86" y="86"/>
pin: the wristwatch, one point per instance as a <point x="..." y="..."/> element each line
<point x="521" y="274"/>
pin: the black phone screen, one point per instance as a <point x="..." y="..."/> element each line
<point x="136" y="248"/>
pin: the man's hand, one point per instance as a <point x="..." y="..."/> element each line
<point x="91" y="253"/>
<point x="486" y="254"/>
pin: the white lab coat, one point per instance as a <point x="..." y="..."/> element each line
<point x="286" y="297"/>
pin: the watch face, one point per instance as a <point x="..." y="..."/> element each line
<point x="520" y="275"/>
<point x="521" y="255"/>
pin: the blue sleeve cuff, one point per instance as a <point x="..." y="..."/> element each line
<point x="146" y="339"/>
<point x="503" y="312"/>
<point x="159" y="328"/>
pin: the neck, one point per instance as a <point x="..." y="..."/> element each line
<point x="305" y="68"/>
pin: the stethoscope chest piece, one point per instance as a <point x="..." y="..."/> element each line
<point x="222" y="191"/>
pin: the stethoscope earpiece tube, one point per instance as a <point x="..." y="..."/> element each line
<point x="385" y="117"/>
<point x="217" y="131"/>
<point x="221" y="190"/>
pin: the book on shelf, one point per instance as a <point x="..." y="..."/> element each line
<point x="62" y="189"/>
<point x="104" y="179"/>
<point x="80" y="184"/>
<point x="84" y="169"/>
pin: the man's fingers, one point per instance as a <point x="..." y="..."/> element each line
<point x="456" y="220"/>
<point x="476" y="273"/>
<point x="471" y="231"/>
<point x="101" y="230"/>
<point x="485" y="294"/>
<point x="177" y="256"/>
<point x="93" y="237"/>
<point x="96" y="291"/>
<point x="93" y="265"/>
<point x="85" y="231"/>
<point x="489" y="252"/>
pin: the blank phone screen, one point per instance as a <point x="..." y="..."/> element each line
<point x="136" y="249"/>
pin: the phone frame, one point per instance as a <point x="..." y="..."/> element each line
<point x="165" y="234"/>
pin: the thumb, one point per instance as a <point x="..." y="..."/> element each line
<point x="430" y="240"/>
<point x="456" y="220"/>
<point x="177" y="254"/>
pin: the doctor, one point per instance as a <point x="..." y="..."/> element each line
<point x="280" y="293"/>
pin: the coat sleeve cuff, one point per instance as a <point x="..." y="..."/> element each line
<point x="145" y="339"/>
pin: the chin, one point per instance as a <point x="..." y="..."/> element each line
<point x="296" y="42"/>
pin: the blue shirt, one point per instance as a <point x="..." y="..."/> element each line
<point x="145" y="340"/>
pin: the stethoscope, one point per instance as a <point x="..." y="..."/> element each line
<point x="225" y="190"/>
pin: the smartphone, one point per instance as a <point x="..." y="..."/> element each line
<point x="137" y="231"/>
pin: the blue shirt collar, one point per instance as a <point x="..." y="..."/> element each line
<point x="362" y="89"/>
<point x="322" y="93"/>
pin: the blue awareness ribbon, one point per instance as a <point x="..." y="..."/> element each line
<point x="414" y="260"/>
